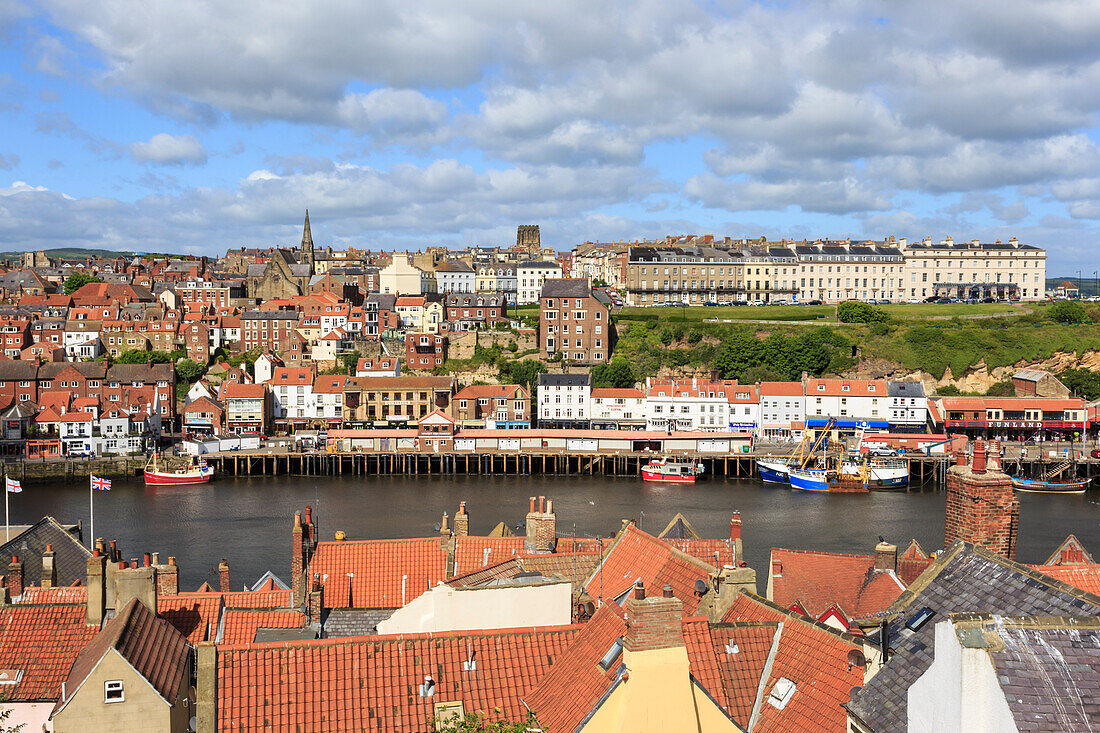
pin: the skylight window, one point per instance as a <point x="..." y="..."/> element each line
<point x="612" y="654"/>
<point x="919" y="619"/>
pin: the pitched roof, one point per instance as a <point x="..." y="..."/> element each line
<point x="372" y="683"/>
<point x="42" y="642"/>
<point x="384" y="573"/>
<point x="151" y="645"/>
<point x="238" y="390"/>
<point x="728" y="660"/>
<point x="576" y="682"/>
<point x="965" y="578"/>
<point x="70" y="556"/>
<point x="1086" y="577"/>
<point x="474" y="553"/>
<point x="817" y="580"/>
<point x="239" y="625"/>
<point x="638" y="555"/>
<point x="811" y="655"/>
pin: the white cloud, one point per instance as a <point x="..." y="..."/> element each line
<point x="165" y="149"/>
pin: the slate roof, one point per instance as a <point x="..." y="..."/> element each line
<point x="1049" y="671"/>
<point x="566" y="288"/>
<point x="817" y="580"/>
<point x="372" y="683"/>
<point x="964" y="579"/>
<point x="905" y="389"/>
<point x="565" y="380"/>
<point x="151" y="645"/>
<point x="43" y="642"/>
<point x="70" y="556"/>
<point x="474" y="553"/>
<point x="341" y="622"/>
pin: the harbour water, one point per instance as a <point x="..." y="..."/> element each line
<point x="247" y="520"/>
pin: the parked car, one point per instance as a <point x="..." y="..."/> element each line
<point x="780" y="301"/>
<point x="709" y="303"/>
<point x="931" y="299"/>
<point x="738" y="302"/>
<point x="814" y="302"/>
<point x="914" y="301"/>
<point x="757" y="302"/>
<point x="882" y="452"/>
<point x="1095" y="453"/>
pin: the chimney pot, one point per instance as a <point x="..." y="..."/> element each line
<point x="171" y="559"/>
<point x="297" y="519"/>
<point x="156" y="558"/>
<point x="147" y="560"/>
<point x="49" y="547"/>
<point x="667" y="591"/>
<point x="549" y="506"/>
<point x="309" y="514"/>
<point x="533" y="500"/>
<point x="960" y="458"/>
<point x="461" y="507"/>
<point x="542" y="505"/>
<point x="639" y="591"/>
<point x="978" y="463"/>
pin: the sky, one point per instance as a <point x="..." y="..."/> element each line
<point x="198" y="126"/>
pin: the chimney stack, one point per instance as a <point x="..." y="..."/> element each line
<point x="977" y="464"/>
<point x="223" y="576"/>
<point x="886" y="557"/>
<point x="653" y="623"/>
<point x="135" y="582"/>
<point x="462" y="521"/>
<point x="316" y="600"/>
<point x="297" y="560"/>
<point x="541" y="526"/>
<point x="982" y="507"/>
<point x="168" y="576"/>
<point x="49" y="568"/>
<point x="97" y="588"/>
<point x="15" y="577"/>
<point x="735" y="537"/>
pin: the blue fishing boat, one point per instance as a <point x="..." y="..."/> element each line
<point x="774" y="471"/>
<point x="810" y="479"/>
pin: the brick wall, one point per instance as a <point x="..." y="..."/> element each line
<point x="653" y="623"/>
<point x="981" y="507"/>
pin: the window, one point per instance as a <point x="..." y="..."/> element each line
<point x="112" y="691"/>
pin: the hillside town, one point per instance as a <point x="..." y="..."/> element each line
<point x="349" y="353"/>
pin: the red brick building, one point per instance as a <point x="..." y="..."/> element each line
<point x="507" y="405"/>
<point x="469" y="311"/>
<point x="575" y="323"/>
<point x="425" y="351"/>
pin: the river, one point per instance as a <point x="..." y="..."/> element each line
<point x="248" y="520"/>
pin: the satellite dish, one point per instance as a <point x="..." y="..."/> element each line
<point x="856" y="659"/>
<point x="589" y="608"/>
<point x="700" y="587"/>
<point x="193" y="723"/>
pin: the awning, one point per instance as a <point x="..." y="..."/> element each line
<point x="849" y="423"/>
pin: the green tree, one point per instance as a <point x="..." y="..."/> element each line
<point x="1082" y="382"/>
<point x="349" y="361"/>
<point x="479" y="723"/>
<point x="524" y="372"/>
<point x="855" y="311"/>
<point x="78" y="280"/>
<point x="618" y="373"/>
<point x="1067" y="311"/>
<point x="189" y="370"/>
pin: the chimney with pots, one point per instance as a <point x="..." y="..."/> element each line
<point x="316" y="600"/>
<point x="15" y="577"/>
<point x="137" y="582"/>
<point x="735" y="538"/>
<point x="462" y="521"/>
<point x="97" y="587"/>
<point x="541" y="526"/>
<point x="886" y="556"/>
<point x="653" y="623"/>
<point x="223" y="576"/>
<point x="49" y="568"/>
<point x="168" y="576"/>
<point x="982" y="507"/>
<point x="297" y="560"/>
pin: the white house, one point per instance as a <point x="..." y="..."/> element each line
<point x="618" y="409"/>
<point x="265" y="366"/>
<point x="700" y="404"/>
<point x="782" y="410"/>
<point x="292" y="393"/>
<point x="455" y="277"/>
<point x="854" y="403"/>
<point x="401" y="277"/>
<point x="564" y="400"/>
<point x="530" y="277"/>
<point x="328" y="398"/>
<point x="908" y="410"/>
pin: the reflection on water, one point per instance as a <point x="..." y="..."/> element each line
<point x="248" y="520"/>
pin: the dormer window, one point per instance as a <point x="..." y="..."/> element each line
<point x="844" y="388"/>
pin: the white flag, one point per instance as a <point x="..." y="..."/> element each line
<point x="13" y="486"/>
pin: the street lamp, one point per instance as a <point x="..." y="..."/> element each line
<point x="1078" y="284"/>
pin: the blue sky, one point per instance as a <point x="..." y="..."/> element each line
<point x="194" y="127"/>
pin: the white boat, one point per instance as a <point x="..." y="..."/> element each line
<point x="877" y="473"/>
<point x="672" y="471"/>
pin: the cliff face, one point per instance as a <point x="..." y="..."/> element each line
<point x="978" y="378"/>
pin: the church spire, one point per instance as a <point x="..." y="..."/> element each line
<point x="307" y="235"/>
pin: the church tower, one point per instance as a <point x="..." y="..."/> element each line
<point x="307" y="244"/>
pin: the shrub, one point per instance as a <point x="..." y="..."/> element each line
<point x="878" y="329"/>
<point x="855" y="311"/>
<point x="1066" y="311"/>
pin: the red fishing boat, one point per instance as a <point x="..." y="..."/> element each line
<point x="196" y="473"/>
<point x="672" y="471"/>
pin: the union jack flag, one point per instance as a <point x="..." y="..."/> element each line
<point x="101" y="484"/>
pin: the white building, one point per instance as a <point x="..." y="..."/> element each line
<point x="455" y="277"/>
<point x="292" y="393"/>
<point x="782" y="410"/>
<point x="564" y="400"/>
<point x="699" y="404"/>
<point x="908" y="410"/>
<point x="265" y="366"/>
<point x="328" y="398"/>
<point x="854" y="403"/>
<point x="618" y="409"/>
<point x="530" y="277"/>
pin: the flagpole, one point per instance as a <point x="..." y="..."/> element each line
<point x="91" y="511"/>
<point x="7" y="519"/>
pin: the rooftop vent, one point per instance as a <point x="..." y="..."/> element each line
<point x="781" y="693"/>
<point x="732" y="648"/>
<point x="919" y="619"/>
<point x="427" y="689"/>
<point x="612" y="654"/>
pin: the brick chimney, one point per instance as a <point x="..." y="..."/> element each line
<point x="168" y="576"/>
<point x="49" y="568"/>
<point x="735" y="537"/>
<point x="15" y="577"/>
<point x="982" y="508"/>
<point x="653" y="623"/>
<point x="541" y="526"/>
<point x="316" y="600"/>
<point x="97" y="587"/>
<point x="223" y="576"/>
<point x="462" y="521"/>
<point x="297" y="560"/>
<point x="886" y="557"/>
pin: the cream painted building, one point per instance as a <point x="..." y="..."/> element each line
<point x="401" y="277"/>
<point x="1002" y="270"/>
<point x="535" y="602"/>
<point x="530" y="277"/>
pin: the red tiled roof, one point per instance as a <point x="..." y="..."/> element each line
<point x="812" y="656"/>
<point x="1011" y="403"/>
<point x="628" y="393"/>
<point x="705" y="549"/>
<point x="239" y="625"/>
<point x="783" y="389"/>
<point x="195" y="615"/>
<point x="385" y="573"/>
<point x="728" y="660"/>
<point x="573" y="686"/>
<point x="239" y="390"/>
<point x="1085" y="577"/>
<point x="58" y="594"/>
<point x="470" y="551"/>
<point x="637" y="555"/>
<point x="820" y="579"/>
<point x="43" y="642"/>
<point x="855" y="387"/>
<point x="371" y="683"/>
